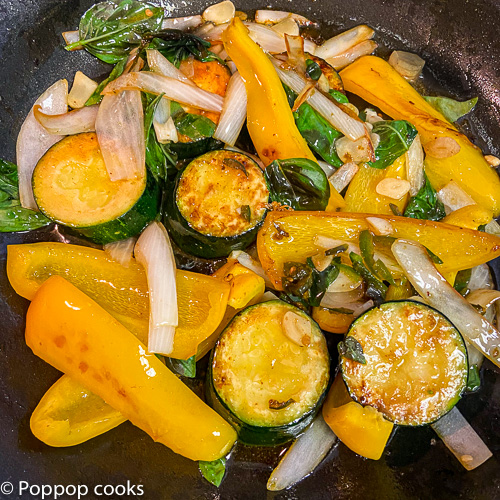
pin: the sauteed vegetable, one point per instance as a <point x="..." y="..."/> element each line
<point x="219" y="195"/>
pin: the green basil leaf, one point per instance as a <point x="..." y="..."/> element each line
<point x="452" y="110"/>
<point x="339" y="96"/>
<point x="8" y="181"/>
<point x="396" y="138"/>
<point x="183" y="367"/>
<point x="321" y="280"/>
<point x="425" y="204"/>
<point x="298" y="183"/>
<point x="462" y="281"/>
<point x="473" y="379"/>
<point x="435" y="258"/>
<point x="214" y="471"/>
<point x="16" y="218"/>
<point x="376" y="289"/>
<point x="194" y="126"/>
<point x="352" y="349"/>
<point x="296" y="279"/>
<point x="110" y="31"/>
<point x="96" y="97"/>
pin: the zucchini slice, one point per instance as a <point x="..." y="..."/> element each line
<point x="218" y="204"/>
<point x="416" y="362"/>
<point x="268" y="386"/>
<point x="72" y="187"/>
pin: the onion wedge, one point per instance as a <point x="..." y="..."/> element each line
<point x="415" y="166"/>
<point x="158" y="63"/>
<point x="173" y="89"/>
<point x="154" y="251"/>
<point x="120" y="132"/>
<point x="181" y="23"/>
<point x="348" y="57"/>
<point x="343" y="176"/>
<point x="33" y="140"/>
<point x="234" y="111"/>
<point x="438" y="293"/>
<point x="247" y="261"/>
<point x="344" y="41"/>
<point x="461" y="439"/>
<point x="483" y="298"/>
<point x="74" y="122"/>
<point x="305" y="454"/>
<point x="122" y="251"/>
<point x="350" y="127"/>
<point x="276" y="16"/>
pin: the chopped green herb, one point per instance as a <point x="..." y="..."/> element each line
<point x="337" y="250"/>
<point x="246" y="212"/>
<point x="183" y="367"/>
<point x="280" y="405"/>
<point x="213" y="471"/>
<point x="96" y="97"/>
<point x="425" y="204"/>
<point x="462" y="281"/>
<point x="352" y="349"/>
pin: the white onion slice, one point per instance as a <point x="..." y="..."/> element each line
<point x="327" y="168"/>
<point x="173" y="89"/>
<point x="246" y="260"/>
<point x="74" y="122"/>
<point x="349" y="56"/>
<point x="453" y="197"/>
<point x="271" y="41"/>
<point x="287" y="27"/>
<point x="344" y="41"/>
<point x="120" y="132"/>
<point x="438" y="293"/>
<point x="381" y="227"/>
<point x="181" y="23"/>
<point x="33" y="140"/>
<point x="493" y="227"/>
<point x="354" y="129"/>
<point x="158" y="63"/>
<point x="461" y="439"/>
<point x="347" y="300"/>
<point x="72" y="37"/>
<point x="234" y="111"/>
<point x="276" y="16"/>
<point x="344" y="283"/>
<point x="154" y="251"/>
<point x="408" y="65"/>
<point x="122" y="251"/>
<point x="327" y="243"/>
<point x="305" y="454"/>
<point x="483" y="297"/>
<point x="415" y="166"/>
<point x="480" y="277"/>
<point x="83" y="87"/>
<point x="343" y="176"/>
<point x="267" y="296"/>
<point x="164" y="124"/>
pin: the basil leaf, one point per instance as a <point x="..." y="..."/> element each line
<point x="452" y="110"/>
<point x="339" y="96"/>
<point x="183" y="367"/>
<point x="377" y="267"/>
<point x="425" y="204"/>
<point x="352" y="349"/>
<point x="214" y="471"/>
<point x="298" y="183"/>
<point x="473" y="379"/>
<point x="96" y="97"/>
<point x="376" y="289"/>
<point x="194" y="126"/>
<point x="321" y="280"/>
<point x="8" y="181"/>
<point x="396" y="138"/>
<point x="462" y="281"/>
<point x="110" y="31"/>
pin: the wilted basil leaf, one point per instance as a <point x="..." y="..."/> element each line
<point x="183" y="367"/>
<point x="452" y="110"/>
<point x="298" y="183"/>
<point x="110" y="31"/>
<point x="213" y="471"/>
<point x="376" y="267"/>
<point x="462" y="281"/>
<point x="425" y="204"/>
<point x="396" y="138"/>
<point x="352" y="349"/>
<point x="194" y="126"/>
<point x="376" y="289"/>
<point x="96" y="97"/>
<point x="339" y="96"/>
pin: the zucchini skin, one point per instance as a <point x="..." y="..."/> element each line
<point x="130" y="223"/>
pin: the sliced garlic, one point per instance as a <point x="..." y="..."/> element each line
<point x="492" y="160"/>
<point x="288" y="26"/>
<point x="297" y="328"/>
<point x="343" y="176"/>
<point x="380" y="227"/>
<point x="328" y="243"/>
<point x="220" y="13"/>
<point x="442" y="147"/>
<point x="321" y="261"/>
<point x="83" y="87"/>
<point x="393" y="188"/>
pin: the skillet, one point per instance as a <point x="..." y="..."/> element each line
<point x="459" y="41"/>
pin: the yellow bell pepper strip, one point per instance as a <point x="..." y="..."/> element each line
<point x="374" y="80"/>
<point x="290" y="237"/>
<point x="336" y="202"/>
<point x="74" y="334"/>
<point x="332" y="321"/>
<point x="123" y="292"/>
<point x="68" y="414"/>
<point x="471" y="217"/>
<point x="245" y="284"/>
<point x="270" y="120"/>
<point x="361" y="195"/>
<point x="362" y="429"/>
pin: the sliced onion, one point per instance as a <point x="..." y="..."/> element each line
<point x="327" y="243"/>
<point x="372" y="116"/>
<point x="343" y="176"/>
<point x="212" y="33"/>
<point x="234" y="111"/>
<point x="344" y="41"/>
<point x="415" y="166"/>
<point x="461" y="439"/>
<point x="219" y="13"/>
<point x="154" y="251"/>
<point x="438" y="293"/>
<point x="305" y="454"/>
<point x="72" y="37"/>
<point x="267" y="296"/>
<point x="164" y="124"/>
<point x="408" y="65"/>
<point x="350" y="127"/>
<point x="182" y="23"/>
<point x="327" y="168"/>
<point x="453" y="197"/>
<point x="295" y="51"/>
<point x="305" y="93"/>
<point x="158" y="63"/>
<point x="381" y="227"/>
<point x="122" y="251"/>
<point x="276" y="16"/>
<point x="345" y="283"/>
<point x="287" y="27"/>
<point x="483" y="297"/>
<point x="493" y="227"/>
<point x="83" y="87"/>
<point x="120" y="132"/>
<point x="75" y="122"/>
<point x="246" y="260"/>
<point x="352" y="300"/>
<point x="33" y="140"/>
<point x="271" y="41"/>
<point x="480" y="277"/>
<point x="173" y="89"/>
<point x="348" y="57"/>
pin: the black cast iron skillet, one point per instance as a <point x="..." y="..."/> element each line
<point x="459" y="41"/>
